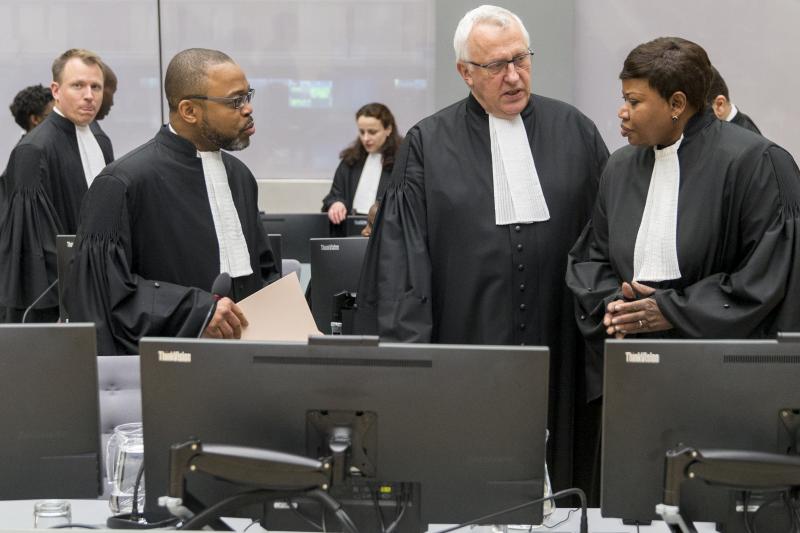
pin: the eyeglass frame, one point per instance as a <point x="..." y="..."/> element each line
<point x="228" y="100"/>
<point x="504" y="62"/>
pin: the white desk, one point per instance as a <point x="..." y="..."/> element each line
<point x="18" y="514"/>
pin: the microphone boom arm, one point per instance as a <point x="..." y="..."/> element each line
<point x="733" y="469"/>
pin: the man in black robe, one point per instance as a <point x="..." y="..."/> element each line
<point x="720" y="101"/>
<point x="160" y="224"/>
<point x="47" y="175"/>
<point x="441" y="268"/>
<point x="29" y="108"/>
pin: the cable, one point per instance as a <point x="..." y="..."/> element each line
<point x="402" y="509"/>
<point x="201" y="519"/>
<point x="76" y="526"/>
<point x="746" y="509"/>
<point x="135" y="504"/>
<point x="584" y="527"/>
<point x="761" y="508"/>
<point x="37" y="300"/>
<point x="569" y="514"/>
<point x="296" y="510"/>
<point x="336" y="508"/>
<point x="376" y="505"/>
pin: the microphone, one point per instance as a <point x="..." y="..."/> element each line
<point x="38" y="299"/>
<point x="219" y="289"/>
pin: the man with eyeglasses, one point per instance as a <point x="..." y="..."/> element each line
<point x="160" y="224"/>
<point x="486" y="198"/>
<point x="47" y="176"/>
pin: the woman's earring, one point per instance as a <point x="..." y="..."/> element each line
<point x="674" y="118"/>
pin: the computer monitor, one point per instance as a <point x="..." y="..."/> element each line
<point x="712" y="394"/>
<point x="354" y="225"/>
<point x="64" y="252"/>
<point x="49" y="415"/>
<point x="465" y="423"/>
<point x="335" y="268"/>
<point x="277" y="254"/>
<point x="296" y="229"/>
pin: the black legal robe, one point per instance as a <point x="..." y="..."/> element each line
<point x="146" y="251"/>
<point x="44" y="187"/>
<point x="738" y="238"/>
<point x="740" y="119"/>
<point x="439" y="269"/>
<point x="345" y="183"/>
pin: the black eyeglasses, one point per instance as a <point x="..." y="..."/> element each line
<point x="522" y="61"/>
<point x="234" y="102"/>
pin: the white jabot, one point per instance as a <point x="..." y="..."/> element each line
<point x="732" y="113"/>
<point x="518" y="194"/>
<point x="655" y="257"/>
<point x="92" y="159"/>
<point x="367" y="188"/>
<point x="234" y="258"/>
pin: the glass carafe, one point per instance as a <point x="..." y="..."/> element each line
<point x="124" y="460"/>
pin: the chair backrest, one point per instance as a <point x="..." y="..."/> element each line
<point x="290" y="265"/>
<point x="120" y="395"/>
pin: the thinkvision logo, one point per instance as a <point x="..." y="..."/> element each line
<point x="174" y="357"/>
<point x="329" y="247"/>
<point x="642" y="357"/>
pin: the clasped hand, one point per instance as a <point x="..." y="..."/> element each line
<point x="637" y="313"/>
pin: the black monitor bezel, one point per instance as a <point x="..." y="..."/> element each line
<point x="356" y="377"/>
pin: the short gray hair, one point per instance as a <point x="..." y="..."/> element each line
<point x="484" y="14"/>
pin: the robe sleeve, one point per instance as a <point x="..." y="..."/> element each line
<point x="394" y="295"/>
<point x="338" y="188"/>
<point x="740" y="303"/>
<point x="591" y="277"/>
<point x="102" y="288"/>
<point x="28" y="229"/>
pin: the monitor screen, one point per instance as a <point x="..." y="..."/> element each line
<point x="465" y="425"/>
<point x="50" y="444"/>
<point x="296" y="229"/>
<point x="335" y="268"/>
<point x="707" y="394"/>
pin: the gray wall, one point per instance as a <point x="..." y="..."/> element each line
<point x="402" y="45"/>
<point x="753" y="44"/>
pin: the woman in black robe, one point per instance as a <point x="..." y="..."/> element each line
<point x="734" y="236"/>
<point x="377" y="133"/>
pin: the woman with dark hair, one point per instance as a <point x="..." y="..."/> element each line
<point x="695" y="231"/>
<point x="366" y="164"/>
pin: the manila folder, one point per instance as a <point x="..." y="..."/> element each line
<point x="278" y="312"/>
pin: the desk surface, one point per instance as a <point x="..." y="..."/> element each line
<point x="18" y="514"/>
